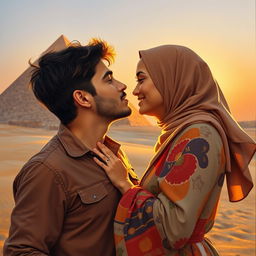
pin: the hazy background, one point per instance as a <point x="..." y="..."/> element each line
<point x="221" y="31"/>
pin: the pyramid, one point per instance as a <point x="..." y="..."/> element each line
<point x="18" y="105"/>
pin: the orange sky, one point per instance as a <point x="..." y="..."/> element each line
<point x="221" y="32"/>
<point x="235" y="73"/>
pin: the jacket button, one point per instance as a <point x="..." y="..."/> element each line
<point x="94" y="196"/>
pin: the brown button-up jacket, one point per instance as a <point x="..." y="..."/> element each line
<point x="64" y="202"/>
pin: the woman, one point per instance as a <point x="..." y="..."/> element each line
<point x="175" y="204"/>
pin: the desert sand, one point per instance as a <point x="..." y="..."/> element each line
<point x="234" y="229"/>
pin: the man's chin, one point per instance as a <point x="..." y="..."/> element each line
<point x="122" y="115"/>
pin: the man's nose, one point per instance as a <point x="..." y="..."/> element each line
<point x="121" y="86"/>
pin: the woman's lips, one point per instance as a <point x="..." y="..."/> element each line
<point x="140" y="101"/>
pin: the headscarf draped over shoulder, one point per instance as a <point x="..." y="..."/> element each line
<point x="191" y="95"/>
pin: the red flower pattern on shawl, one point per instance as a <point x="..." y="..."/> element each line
<point x="183" y="159"/>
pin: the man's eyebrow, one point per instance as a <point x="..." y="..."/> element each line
<point x="139" y="72"/>
<point x="109" y="72"/>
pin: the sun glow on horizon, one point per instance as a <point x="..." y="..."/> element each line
<point x="221" y="32"/>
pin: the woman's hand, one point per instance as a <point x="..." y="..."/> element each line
<point x="113" y="167"/>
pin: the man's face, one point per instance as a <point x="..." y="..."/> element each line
<point x="110" y="99"/>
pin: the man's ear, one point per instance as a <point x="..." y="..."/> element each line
<point x="82" y="98"/>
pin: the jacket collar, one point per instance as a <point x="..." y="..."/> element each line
<point x="75" y="148"/>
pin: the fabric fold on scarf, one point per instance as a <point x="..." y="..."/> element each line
<point x="191" y="95"/>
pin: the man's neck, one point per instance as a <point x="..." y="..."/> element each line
<point x="89" y="132"/>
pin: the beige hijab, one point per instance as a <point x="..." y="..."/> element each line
<point x="191" y="95"/>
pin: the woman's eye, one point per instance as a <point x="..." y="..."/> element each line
<point x="140" y="80"/>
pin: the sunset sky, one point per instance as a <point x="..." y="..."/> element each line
<point x="222" y="32"/>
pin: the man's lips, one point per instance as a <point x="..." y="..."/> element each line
<point x="123" y="96"/>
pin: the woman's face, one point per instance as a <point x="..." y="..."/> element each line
<point x="150" y="100"/>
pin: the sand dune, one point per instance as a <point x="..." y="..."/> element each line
<point x="234" y="229"/>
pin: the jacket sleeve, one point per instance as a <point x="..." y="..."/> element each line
<point x="185" y="180"/>
<point x="37" y="218"/>
<point x="192" y="169"/>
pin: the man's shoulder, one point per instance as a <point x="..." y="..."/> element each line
<point x="40" y="165"/>
<point x="52" y="148"/>
<point x="42" y="158"/>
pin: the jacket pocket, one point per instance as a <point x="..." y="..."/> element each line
<point x="93" y="194"/>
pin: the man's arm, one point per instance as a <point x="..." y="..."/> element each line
<point x="37" y="218"/>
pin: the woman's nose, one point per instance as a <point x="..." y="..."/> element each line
<point x="135" y="92"/>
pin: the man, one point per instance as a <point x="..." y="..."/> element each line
<point x="64" y="202"/>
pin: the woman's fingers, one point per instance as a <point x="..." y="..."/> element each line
<point x="100" y="163"/>
<point x="105" y="150"/>
<point x="113" y="166"/>
<point x="101" y="155"/>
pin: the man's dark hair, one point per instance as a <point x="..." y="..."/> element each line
<point x="60" y="73"/>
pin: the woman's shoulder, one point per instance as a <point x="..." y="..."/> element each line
<point x="199" y="139"/>
<point x="204" y="131"/>
<point x="200" y="129"/>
